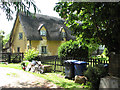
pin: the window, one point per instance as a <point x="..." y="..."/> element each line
<point x="43" y="49"/>
<point x="43" y="32"/>
<point x="63" y="34"/>
<point x="18" y="49"/>
<point x="20" y="36"/>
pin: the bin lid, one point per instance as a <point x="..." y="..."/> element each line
<point x="80" y="62"/>
<point x="71" y="61"/>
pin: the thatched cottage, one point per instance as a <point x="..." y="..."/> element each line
<point x="44" y="33"/>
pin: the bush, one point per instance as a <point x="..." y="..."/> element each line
<point x="72" y="49"/>
<point x="30" y="54"/>
<point x="94" y="74"/>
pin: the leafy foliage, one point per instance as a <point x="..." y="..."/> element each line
<point x="30" y="54"/>
<point x="6" y="39"/>
<point x="72" y="49"/>
<point x="24" y="6"/>
<point x="94" y="74"/>
<point x="92" y="46"/>
<point x="98" y="22"/>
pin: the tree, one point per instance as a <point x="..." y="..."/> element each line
<point x="99" y="22"/>
<point x="21" y="5"/>
<point x="6" y="39"/>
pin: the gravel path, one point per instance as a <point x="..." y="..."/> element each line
<point x="13" y="78"/>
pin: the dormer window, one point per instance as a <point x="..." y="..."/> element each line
<point x="43" y="32"/>
<point x="63" y="33"/>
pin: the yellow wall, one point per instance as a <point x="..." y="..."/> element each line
<point x="53" y="47"/>
<point x="15" y="38"/>
<point x="34" y="44"/>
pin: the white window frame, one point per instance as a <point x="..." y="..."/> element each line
<point x="43" y="32"/>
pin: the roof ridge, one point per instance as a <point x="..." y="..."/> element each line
<point x="44" y="16"/>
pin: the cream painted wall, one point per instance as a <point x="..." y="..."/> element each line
<point x="15" y="38"/>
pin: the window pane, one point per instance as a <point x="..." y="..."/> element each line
<point x="43" y="32"/>
<point x="63" y="34"/>
<point x="20" y="36"/>
<point x="43" y="50"/>
<point x="18" y="49"/>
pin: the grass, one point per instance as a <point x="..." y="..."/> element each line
<point x="52" y="77"/>
<point x="15" y="66"/>
<point x="62" y="82"/>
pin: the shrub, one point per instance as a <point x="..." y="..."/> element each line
<point x="94" y="74"/>
<point x="72" y="49"/>
<point x="30" y="54"/>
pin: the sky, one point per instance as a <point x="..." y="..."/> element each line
<point x="46" y="7"/>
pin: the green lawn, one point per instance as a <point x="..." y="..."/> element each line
<point x="15" y="66"/>
<point x="52" y="77"/>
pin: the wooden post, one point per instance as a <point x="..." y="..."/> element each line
<point x="22" y="57"/>
<point x="93" y="62"/>
<point x="55" y="65"/>
<point x="9" y="57"/>
<point x="98" y="61"/>
<point x="104" y="61"/>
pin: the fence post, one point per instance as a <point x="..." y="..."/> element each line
<point x="22" y="57"/>
<point x="93" y="62"/>
<point x="62" y="63"/>
<point x="9" y="57"/>
<point x="55" y="65"/>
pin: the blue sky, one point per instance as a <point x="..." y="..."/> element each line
<point x="46" y="7"/>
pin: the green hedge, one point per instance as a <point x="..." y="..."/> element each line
<point x="72" y="49"/>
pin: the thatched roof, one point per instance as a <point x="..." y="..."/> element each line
<point x="52" y="24"/>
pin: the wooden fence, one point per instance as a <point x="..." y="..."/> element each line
<point x="58" y="63"/>
<point x="54" y="61"/>
<point x="11" y="57"/>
